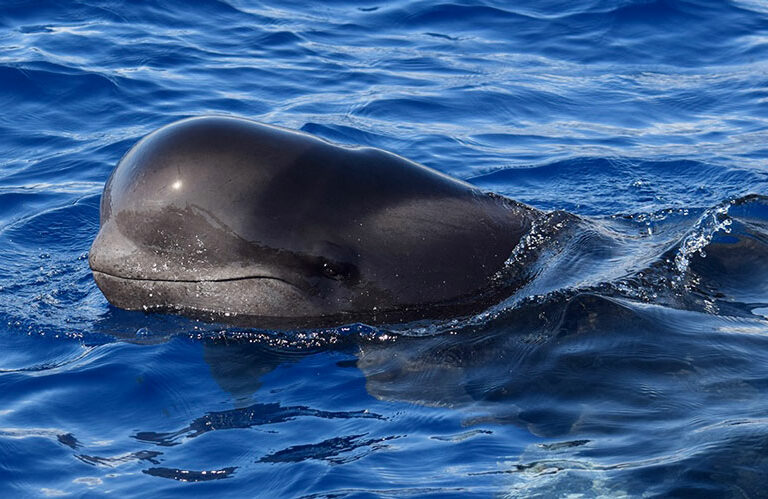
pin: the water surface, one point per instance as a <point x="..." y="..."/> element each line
<point x="632" y="364"/>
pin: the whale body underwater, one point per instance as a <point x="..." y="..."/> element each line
<point x="227" y="219"/>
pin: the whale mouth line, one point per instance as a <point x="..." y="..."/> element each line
<point x="226" y="279"/>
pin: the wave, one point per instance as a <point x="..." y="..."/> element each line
<point x="703" y="260"/>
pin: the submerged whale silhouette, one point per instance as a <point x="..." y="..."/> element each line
<point x="228" y="219"/>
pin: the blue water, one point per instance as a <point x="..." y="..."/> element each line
<point x="634" y="363"/>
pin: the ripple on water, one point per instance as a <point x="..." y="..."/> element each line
<point x="631" y="364"/>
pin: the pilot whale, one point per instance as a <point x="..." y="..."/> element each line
<point x="227" y="219"/>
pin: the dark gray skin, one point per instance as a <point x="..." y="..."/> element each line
<point x="228" y="219"/>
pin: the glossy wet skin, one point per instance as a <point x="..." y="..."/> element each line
<point x="226" y="217"/>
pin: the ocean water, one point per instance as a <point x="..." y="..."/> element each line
<point x="634" y="363"/>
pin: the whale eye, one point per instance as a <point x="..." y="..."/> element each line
<point x="336" y="271"/>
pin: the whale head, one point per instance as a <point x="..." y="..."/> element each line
<point x="225" y="218"/>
